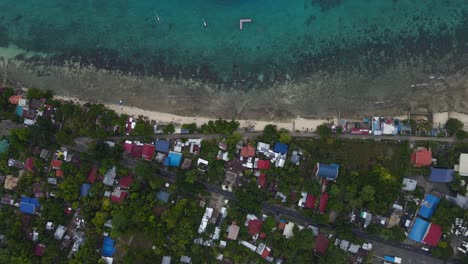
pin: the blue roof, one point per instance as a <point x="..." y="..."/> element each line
<point x="162" y="146"/>
<point x="108" y="248"/>
<point x="281" y="148"/>
<point x="428" y="206"/>
<point x="441" y="175"/>
<point x="419" y="229"/>
<point x="173" y="159"/>
<point x="85" y="189"/>
<point x="29" y="205"/>
<point x="163" y="196"/>
<point x="19" y="110"/>
<point x="330" y="172"/>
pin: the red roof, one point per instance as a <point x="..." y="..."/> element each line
<point x="433" y="235"/>
<point x="323" y="202"/>
<point x="248" y="151"/>
<point x="310" y="201"/>
<point x="255" y="226"/>
<point x="125" y="182"/>
<point x="118" y="199"/>
<point x="128" y="147"/>
<point x="56" y="164"/>
<point x="265" y="253"/>
<point x="263" y="164"/>
<point x="39" y="250"/>
<point x="14" y="99"/>
<point x="262" y="180"/>
<point x="421" y="158"/>
<point x="92" y="174"/>
<point x="59" y="173"/>
<point x="148" y="152"/>
<point x="137" y="151"/>
<point x="29" y="164"/>
<point x="321" y="244"/>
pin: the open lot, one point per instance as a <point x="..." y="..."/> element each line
<point x="360" y="156"/>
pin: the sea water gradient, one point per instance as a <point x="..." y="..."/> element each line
<point x="286" y="38"/>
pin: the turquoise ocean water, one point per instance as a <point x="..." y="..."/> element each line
<point x="294" y="37"/>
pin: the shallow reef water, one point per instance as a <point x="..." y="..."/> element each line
<point x="293" y="37"/>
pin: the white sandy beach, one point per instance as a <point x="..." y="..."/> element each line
<point x="300" y="124"/>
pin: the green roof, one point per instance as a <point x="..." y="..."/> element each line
<point x="4" y="145"/>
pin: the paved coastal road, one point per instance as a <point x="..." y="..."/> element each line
<point x="300" y="135"/>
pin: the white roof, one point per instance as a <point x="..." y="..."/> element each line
<point x="204" y="222"/>
<point x="388" y="129"/>
<point x="250" y="246"/>
<point x="166" y="260"/>
<point x="463" y="168"/>
<point x="202" y="161"/>
<point x="409" y="184"/>
<point x="59" y="232"/>
<point x="288" y="230"/>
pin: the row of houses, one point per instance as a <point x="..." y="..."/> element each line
<point x="30" y="110"/>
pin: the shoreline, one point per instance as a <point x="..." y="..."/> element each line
<point x="296" y="124"/>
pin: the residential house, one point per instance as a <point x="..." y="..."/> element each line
<point x="11" y="182"/>
<point x="44" y="154"/>
<point x="262" y="181"/>
<point x="288" y="230"/>
<point x="84" y="190"/>
<point x="303" y="199"/>
<point x="39" y="250"/>
<point x="323" y="202"/>
<point x="15" y="164"/>
<point x="166" y="260"/>
<point x="296" y="157"/>
<point x="263" y="164"/>
<point x="109" y="177"/>
<point x="428" y="206"/>
<point x="163" y="196"/>
<point x="29" y="164"/>
<point x="194" y="145"/>
<point x="463" y="167"/>
<point x="254" y="227"/>
<point x="60" y="232"/>
<point x="247" y="156"/>
<point x="130" y="126"/>
<point x="128" y="146"/>
<point x="108" y="247"/>
<point x="206" y="217"/>
<point x="4" y="145"/>
<point x="162" y="146"/>
<point x="441" y="175"/>
<point x="230" y="180"/>
<point x="186" y="164"/>
<point x="185" y="260"/>
<point x="263" y="250"/>
<point x="148" y="152"/>
<point x="233" y="231"/>
<point x="310" y="201"/>
<point x="421" y="157"/>
<point x="425" y="232"/>
<point x="328" y="172"/>
<point x="92" y="174"/>
<point x="173" y="159"/>
<point x="459" y="200"/>
<point x="321" y="245"/>
<point x="29" y="205"/>
<point x="137" y="150"/>
<point x="409" y="184"/>
<point x="202" y="165"/>
<point x="120" y="192"/>
<point x="37" y="190"/>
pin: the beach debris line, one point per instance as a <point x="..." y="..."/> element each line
<point x="242" y="21"/>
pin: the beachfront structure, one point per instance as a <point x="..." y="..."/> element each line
<point x="463" y="167"/>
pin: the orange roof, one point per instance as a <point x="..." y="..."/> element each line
<point x="248" y="151"/>
<point x="14" y="99"/>
<point x="59" y="173"/>
<point x="421" y="158"/>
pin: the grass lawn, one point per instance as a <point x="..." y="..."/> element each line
<point x="360" y="156"/>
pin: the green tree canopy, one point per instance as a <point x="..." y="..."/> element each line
<point x="453" y="125"/>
